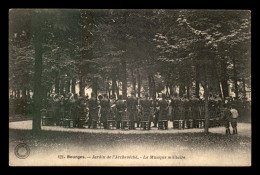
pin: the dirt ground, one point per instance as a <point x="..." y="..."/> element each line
<point x="56" y="146"/>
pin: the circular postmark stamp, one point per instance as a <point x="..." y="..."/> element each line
<point x="22" y="151"/>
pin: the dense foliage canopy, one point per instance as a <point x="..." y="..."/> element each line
<point x="113" y="50"/>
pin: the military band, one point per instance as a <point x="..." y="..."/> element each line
<point x="93" y="111"/>
<point x="121" y="117"/>
<point x="132" y="104"/>
<point x="146" y="112"/>
<point x="105" y="110"/>
<point x="134" y="112"/>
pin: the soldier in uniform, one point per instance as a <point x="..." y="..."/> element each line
<point x="195" y="111"/>
<point x="18" y="105"/>
<point x="163" y="114"/>
<point x="132" y="103"/>
<point x="246" y="108"/>
<point x="146" y="106"/>
<point x="202" y="113"/>
<point x="175" y="103"/>
<point x="113" y="107"/>
<point x="66" y="105"/>
<point x="56" y="109"/>
<point x="105" y="110"/>
<point x="11" y="105"/>
<point x="156" y="112"/>
<point x="29" y="105"/>
<point x="23" y="105"/>
<point x="93" y="111"/>
<point x="211" y="110"/>
<point x="138" y="113"/>
<point x="81" y="112"/>
<point x="218" y="109"/>
<point x="186" y="110"/>
<point x="120" y="110"/>
<point x="62" y="108"/>
<point x="181" y="114"/>
<point x="72" y="108"/>
<point x="49" y="108"/>
<point x="226" y="115"/>
<point x="86" y="100"/>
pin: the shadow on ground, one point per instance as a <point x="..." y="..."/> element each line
<point x="198" y="148"/>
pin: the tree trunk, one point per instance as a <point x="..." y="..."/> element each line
<point x="133" y="81"/>
<point x="18" y="93"/>
<point x="24" y="93"/>
<point x="44" y="92"/>
<point x="153" y="87"/>
<point x="197" y="82"/>
<point x="219" y="89"/>
<point x="124" y="79"/>
<point x="181" y="90"/>
<point x="244" y="87"/>
<point x="197" y="89"/>
<point x="216" y="78"/>
<point x="171" y="90"/>
<point x="113" y="85"/>
<point x="62" y="86"/>
<point x="182" y="84"/>
<point x="235" y="77"/>
<point x="68" y="86"/>
<point x="51" y="88"/>
<point x="95" y="86"/>
<point x="15" y="94"/>
<point x="117" y="89"/>
<point x="224" y="78"/>
<point x="150" y="86"/>
<point x="139" y="85"/>
<point x="206" y="91"/>
<point x="37" y="86"/>
<point x="57" y="84"/>
<point x="188" y="91"/>
<point x="106" y="87"/>
<point x="28" y="92"/>
<point x="167" y="90"/>
<point x="73" y="85"/>
<point x="82" y="86"/>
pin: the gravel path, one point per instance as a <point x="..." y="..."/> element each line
<point x="189" y="147"/>
<point x="244" y="129"/>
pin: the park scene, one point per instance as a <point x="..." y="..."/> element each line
<point x="114" y="87"/>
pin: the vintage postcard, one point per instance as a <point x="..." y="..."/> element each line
<point x="128" y="87"/>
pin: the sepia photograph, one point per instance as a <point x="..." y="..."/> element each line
<point x="129" y="87"/>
